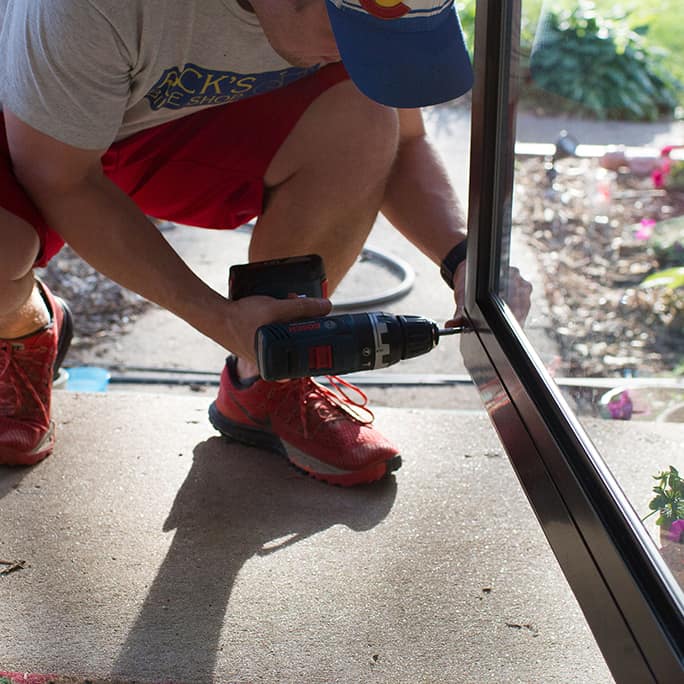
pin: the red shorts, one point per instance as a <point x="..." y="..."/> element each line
<point x="205" y="169"/>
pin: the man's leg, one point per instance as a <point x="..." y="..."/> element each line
<point x="326" y="183"/>
<point x="312" y="159"/>
<point x="324" y="190"/>
<point x="35" y="331"/>
<point x="22" y="309"/>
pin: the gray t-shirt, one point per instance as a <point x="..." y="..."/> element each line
<point x="89" y="72"/>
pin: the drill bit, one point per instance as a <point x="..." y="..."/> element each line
<point x="452" y="331"/>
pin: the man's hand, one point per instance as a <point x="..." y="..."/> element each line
<point x="459" y="297"/>
<point x="518" y="296"/>
<point x="245" y="316"/>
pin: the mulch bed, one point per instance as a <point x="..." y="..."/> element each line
<point x="584" y="226"/>
<point x="101" y="308"/>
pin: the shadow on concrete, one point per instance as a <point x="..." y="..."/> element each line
<point x="234" y="504"/>
<point x="10" y="477"/>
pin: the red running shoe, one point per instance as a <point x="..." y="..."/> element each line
<point x="323" y="433"/>
<point x="27" y="367"/>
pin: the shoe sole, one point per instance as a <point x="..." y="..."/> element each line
<point x="66" y="334"/>
<point x="304" y="462"/>
<point x="41" y="451"/>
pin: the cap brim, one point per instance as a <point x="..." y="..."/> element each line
<point x="403" y="68"/>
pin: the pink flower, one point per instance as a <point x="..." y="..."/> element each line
<point x="621" y="407"/>
<point x="676" y="531"/>
<point x="646" y="229"/>
<point x="660" y="175"/>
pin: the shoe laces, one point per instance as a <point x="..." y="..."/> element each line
<point x="330" y="403"/>
<point x="14" y="377"/>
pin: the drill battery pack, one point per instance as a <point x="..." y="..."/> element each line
<point x="279" y="278"/>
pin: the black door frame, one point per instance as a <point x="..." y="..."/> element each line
<point x="628" y="597"/>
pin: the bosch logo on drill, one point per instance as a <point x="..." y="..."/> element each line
<point x="302" y="327"/>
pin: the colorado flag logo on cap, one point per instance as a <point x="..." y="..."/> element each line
<point x="385" y="9"/>
<point x="402" y="53"/>
<point x="395" y="9"/>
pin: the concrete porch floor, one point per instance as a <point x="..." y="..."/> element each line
<point x="157" y="551"/>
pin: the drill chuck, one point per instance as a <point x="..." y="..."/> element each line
<point x="335" y="345"/>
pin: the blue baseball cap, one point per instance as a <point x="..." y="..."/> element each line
<point x="402" y="53"/>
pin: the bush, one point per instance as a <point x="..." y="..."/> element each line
<point x="466" y="13"/>
<point x="667" y="243"/>
<point x="601" y="67"/>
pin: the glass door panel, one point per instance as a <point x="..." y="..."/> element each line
<point x="582" y="386"/>
<point x="593" y="215"/>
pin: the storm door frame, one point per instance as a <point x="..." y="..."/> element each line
<point x="627" y="595"/>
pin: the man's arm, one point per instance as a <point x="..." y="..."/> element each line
<point x="107" y="229"/>
<point x="420" y="200"/>
<point x="421" y="203"/>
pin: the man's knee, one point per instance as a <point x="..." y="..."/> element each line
<point x="369" y="131"/>
<point x="19" y="246"/>
<point x="345" y="134"/>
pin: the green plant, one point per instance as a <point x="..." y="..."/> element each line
<point x="669" y="498"/>
<point x="675" y="176"/>
<point x="466" y="13"/>
<point x="667" y="297"/>
<point x="600" y="66"/>
<point x="667" y="243"/>
<point x="665" y="19"/>
<point x="671" y="278"/>
<point x="667" y="282"/>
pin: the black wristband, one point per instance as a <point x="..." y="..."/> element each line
<point x="451" y="261"/>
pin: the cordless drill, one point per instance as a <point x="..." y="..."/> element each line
<point x="334" y="345"/>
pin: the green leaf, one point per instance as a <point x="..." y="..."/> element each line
<point x="670" y="278"/>
<point x="658" y="502"/>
